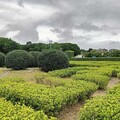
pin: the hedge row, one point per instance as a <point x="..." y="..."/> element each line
<point x="100" y="80"/>
<point x="65" y="73"/>
<point x="103" y="108"/>
<point x="48" y="99"/>
<point x="107" y="71"/>
<point x="94" y="63"/>
<point x="8" y="111"/>
<point x="97" y="59"/>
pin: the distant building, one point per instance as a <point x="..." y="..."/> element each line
<point x="79" y="56"/>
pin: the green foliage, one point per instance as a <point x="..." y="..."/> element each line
<point x="118" y="75"/>
<point x="18" y="59"/>
<point x="48" y="99"/>
<point x="40" y="77"/>
<point x="31" y="60"/>
<point x="103" y="108"/>
<point x="93" y="53"/>
<point x="52" y="60"/>
<point x="7" y="45"/>
<point x="100" y="80"/>
<point x="8" y="111"/>
<point x="70" y="46"/>
<point x="56" y="46"/>
<point x="70" y="54"/>
<point x="95" y="64"/>
<point x="114" y="53"/>
<point x="97" y="59"/>
<point x="34" y="47"/>
<point x="50" y="81"/>
<point x="35" y="55"/>
<point x="65" y="73"/>
<point x="11" y="79"/>
<point x="2" y="59"/>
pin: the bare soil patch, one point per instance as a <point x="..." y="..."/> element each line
<point x="113" y="82"/>
<point x="70" y="112"/>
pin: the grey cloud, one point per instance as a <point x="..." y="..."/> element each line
<point x="88" y="26"/>
<point x="86" y="15"/>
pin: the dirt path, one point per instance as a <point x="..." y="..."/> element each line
<point x="72" y="112"/>
<point x="111" y="84"/>
<point x="5" y="74"/>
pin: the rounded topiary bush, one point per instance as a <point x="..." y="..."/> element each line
<point x="31" y="59"/>
<point x="17" y="59"/>
<point x="2" y="59"/>
<point x="52" y="60"/>
<point x="35" y="55"/>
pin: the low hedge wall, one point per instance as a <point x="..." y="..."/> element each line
<point x="97" y="59"/>
<point x="48" y="99"/>
<point x="8" y="111"/>
<point x="103" y="108"/>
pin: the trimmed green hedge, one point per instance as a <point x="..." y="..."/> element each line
<point x="103" y="108"/>
<point x="65" y="73"/>
<point x="8" y="111"/>
<point x="48" y="99"/>
<point x="97" y="59"/>
<point x="2" y="59"/>
<point x="100" y="80"/>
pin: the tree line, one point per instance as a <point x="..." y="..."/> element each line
<point x="7" y="45"/>
<point x="101" y="53"/>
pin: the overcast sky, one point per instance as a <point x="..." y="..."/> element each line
<point x="89" y="23"/>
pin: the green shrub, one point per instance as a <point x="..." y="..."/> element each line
<point x="52" y="60"/>
<point x="2" y="59"/>
<point x="115" y="72"/>
<point x="35" y="55"/>
<point x="8" y="111"/>
<point x="48" y="99"/>
<point x="11" y="79"/>
<point x="103" y="108"/>
<point x="70" y="54"/>
<point x="52" y="81"/>
<point x="118" y="75"/>
<point x="97" y="59"/>
<point x="39" y="77"/>
<point x="65" y="73"/>
<point x="17" y="59"/>
<point x="100" y="80"/>
<point x="31" y="60"/>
